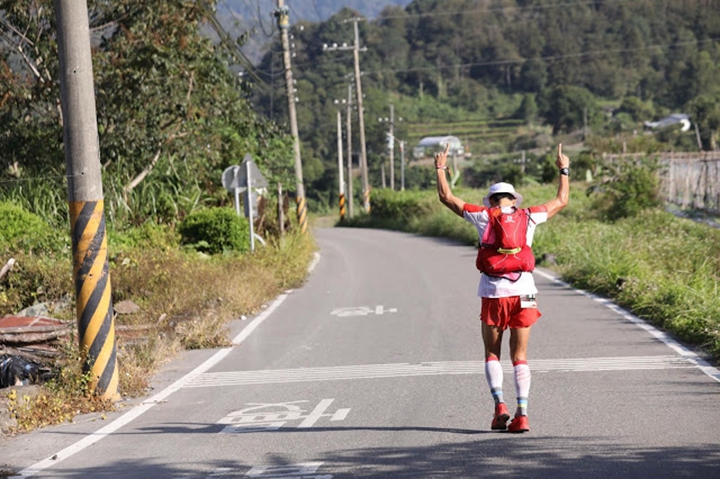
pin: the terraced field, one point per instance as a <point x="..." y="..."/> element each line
<point x="475" y="135"/>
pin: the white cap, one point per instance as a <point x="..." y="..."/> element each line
<point x="502" y="188"/>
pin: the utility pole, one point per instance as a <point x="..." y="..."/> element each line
<point x="348" y="129"/>
<point x="402" y="165"/>
<point x="391" y="143"/>
<point x="96" y="328"/>
<point x="283" y="20"/>
<point x="359" y="101"/>
<point x="341" y="181"/>
<point x="361" y="119"/>
<point x="392" y="147"/>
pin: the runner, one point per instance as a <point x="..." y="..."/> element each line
<point x="506" y="286"/>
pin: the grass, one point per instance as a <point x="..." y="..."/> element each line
<point x="663" y="268"/>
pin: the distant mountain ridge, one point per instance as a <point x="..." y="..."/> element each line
<point x="309" y="10"/>
<point x="255" y="17"/>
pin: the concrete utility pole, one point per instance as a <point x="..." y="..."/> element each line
<point x="96" y="329"/>
<point x="349" y="184"/>
<point x="283" y="20"/>
<point x="392" y="147"/>
<point x="341" y="181"/>
<point x="348" y="128"/>
<point x="391" y="144"/>
<point x="402" y="165"/>
<point x="361" y="118"/>
<point x="359" y="96"/>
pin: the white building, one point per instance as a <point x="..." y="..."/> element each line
<point x="430" y="144"/>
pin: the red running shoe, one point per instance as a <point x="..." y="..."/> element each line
<point x="500" y="420"/>
<point x="519" y="424"/>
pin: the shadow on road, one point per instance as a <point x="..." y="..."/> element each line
<point x="489" y="455"/>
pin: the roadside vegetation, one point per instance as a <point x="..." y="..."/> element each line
<point x="613" y="239"/>
<point x="188" y="283"/>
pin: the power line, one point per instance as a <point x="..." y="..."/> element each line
<point x="493" y="9"/>
<point x="232" y="47"/>
<point x="544" y="59"/>
<point x="293" y="10"/>
<point x="317" y="11"/>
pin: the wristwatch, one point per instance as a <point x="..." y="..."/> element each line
<point x="565" y="171"/>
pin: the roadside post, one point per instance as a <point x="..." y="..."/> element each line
<point x="246" y="178"/>
<point x="91" y="270"/>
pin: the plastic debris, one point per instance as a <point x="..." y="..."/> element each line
<point x="18" y="371"/>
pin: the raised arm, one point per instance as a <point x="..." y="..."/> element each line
<point x="563" y="193"/>
<point x="455" y="204"/>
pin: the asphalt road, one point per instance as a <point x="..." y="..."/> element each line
<point x="374" y="368"/>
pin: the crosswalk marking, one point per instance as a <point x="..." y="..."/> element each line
<point x="379" y="371"/>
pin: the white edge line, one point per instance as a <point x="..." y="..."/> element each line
<point x="314" y="262"/>
<point x="124" y="419"/>
<point x="699" y="362"/>
<point x="159" y="397"/>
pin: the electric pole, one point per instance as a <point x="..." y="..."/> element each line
<point x="283" y="20"/>
<point x="391" y="143"/>
<point x="359" y="101"/>
<point x="392" y="147"/>
<point x="402" y="165"/>
<point x="96" y="328"/>
<point x="348" y="129"/>
<point x="361" y="118"/>
<point x="341" y="181"/>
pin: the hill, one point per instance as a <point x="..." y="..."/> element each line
<point x="256" y="17"/>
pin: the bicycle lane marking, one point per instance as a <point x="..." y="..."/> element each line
<point x="159" y="397"/>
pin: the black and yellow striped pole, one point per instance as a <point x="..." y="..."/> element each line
<point x="341" y="178"/>
<point x="96" y="330"/>
<point x="301" y="213"/>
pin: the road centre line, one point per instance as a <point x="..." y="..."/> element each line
<point x="699" y="362"/>
<point x="440" y="368"/>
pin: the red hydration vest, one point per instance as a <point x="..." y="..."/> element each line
<point x="504" y="251"/>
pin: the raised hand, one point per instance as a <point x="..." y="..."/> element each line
<point x="441" y="157"/>
<point x="562" y="160"/>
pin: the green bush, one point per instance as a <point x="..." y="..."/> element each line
<point x="21" y="230"/>
<point x="215" y="230"/>
<point x="400" y="206"/>
<point x="147" y="235"/>
<point x="631" y="188"/>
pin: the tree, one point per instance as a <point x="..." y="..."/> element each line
<point x="566" y="106"/>
<point x="169" y="108"/>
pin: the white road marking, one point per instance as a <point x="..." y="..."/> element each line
<point x="293" y="470"/>
<point x="699" y="363"/>
<point x="316" y="414"/>
<point x="272" y="416"/>
<point x="395" y="370"/>
<point x="361" y="311"/>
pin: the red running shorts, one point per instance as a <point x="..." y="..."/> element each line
<point x="508" y="313"/>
